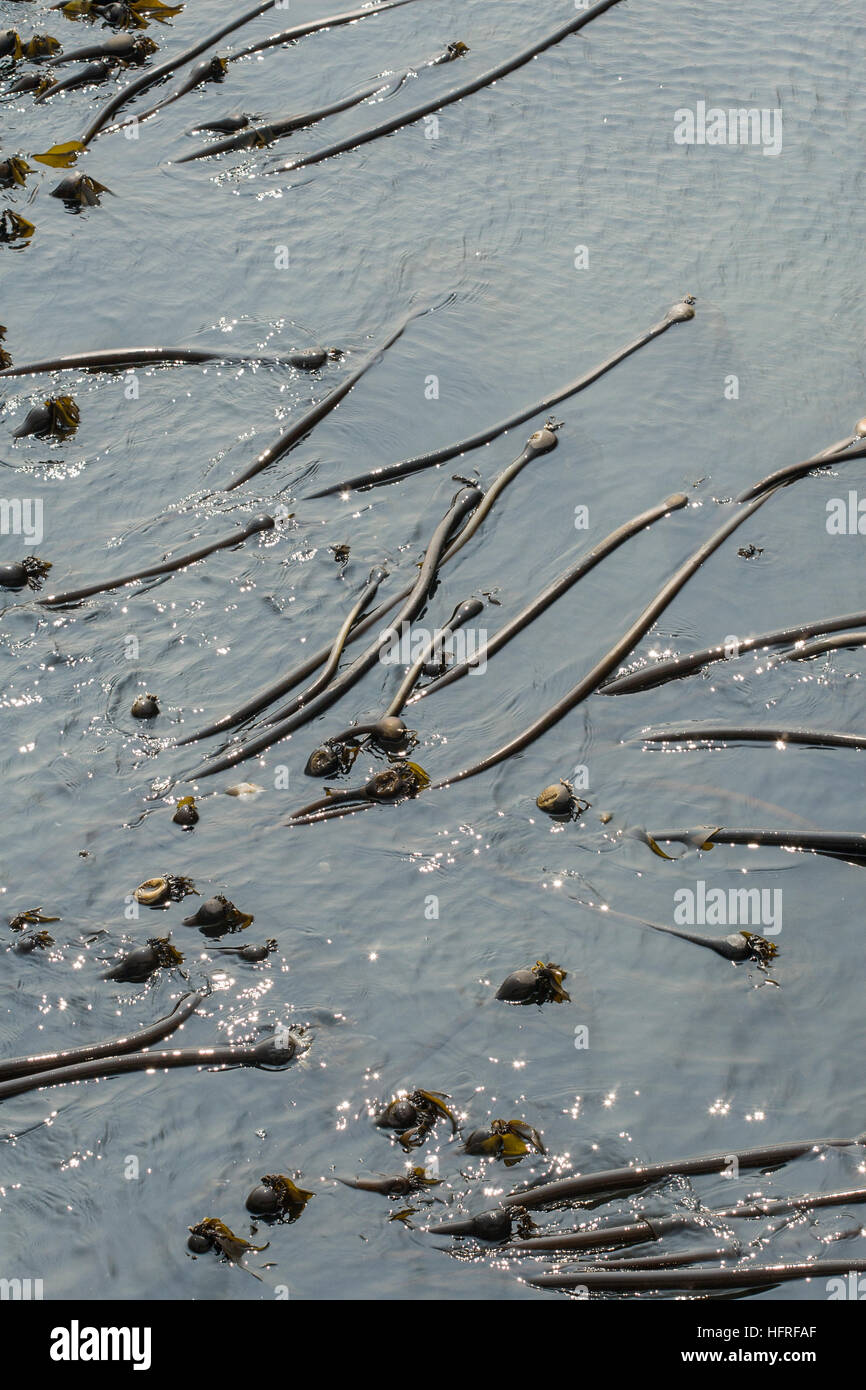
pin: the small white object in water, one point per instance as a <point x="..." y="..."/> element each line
<point x="247" y="791"/>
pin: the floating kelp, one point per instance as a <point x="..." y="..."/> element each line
<point x="10" y="44"/>
<point x="509" y="1140"/>
<point x="277" y="1198"/>
<point x="37" y="82"/>
<point x="840" y="452"/>
<point x="331" y="758"/>
<point x="737" y="947"/>
<point x="14" y="170"/>
<point x="260" y="136"/>
<point x="819" y="645"/>
<point x="494" y="1226"/>
<point x="389" y="732"/>
<point x="40" y="46"/>
<point x="642" y="1231"/>
<point x="28" y="573"/>
<point x="271" y="1053"/>
<point x="145" y="707"/>
<point x="699" y="1255"/>
<point x="678" y="313"/>
<point x="37" y="48"/>
<point x="462" y="504"/>
<point x="555" y="590"/>
<point x="33" y="941"/>
<point x="253" y="137"/>
<point x="59" y="417"/>
<point x="333" y="21"/>
<point x="579" y="1187"/>
<point x="168" y="888"/>
<point x="399" y="782"/>
<point x="541" y="984"/>
<point x="560" y="802"/>
<point x="837" y="844"/>
<point x="258" y="524"/>
<point x="338" y="753"/>
<point x="79" y="191"/>
<point x="208" y="70"/>
<point x="615" y="656"/>
<point x="30" y="917"/>
<point x="432" y="652"/>
<point x="675" y="667"/>
<point x="120" y="14"/>
<point x="157" y="9"/>
<point x="416" y="1180"/>
<point x="415" y="1116"/>
<point x="368" y="592"/>
<point x="213" y="1234"/>
<point x="223" y="125"/>
<point x="541" y="442"/>
<point x="254" y="955"/>
<point x="89" y="76"/>
<point x="486" y="79"/>
<point x="132" y="48"/>
<point x="72" y="148"/>
<point x="745" y="1276"/>
<point x="325" y="626"/>
<point x="14" y="227"/>
<point x="217" y="914"/>
<point x="735" y="733"/>
<point x="185" y="1007"/>
<point x="328" y="811"/>
<point x="144" y="961"/>
<point x="669" y="1260"/>
<point x="5" y="357"/>
<point x="186" y="813"/>
<point x="122" y="359"/>
<point x="311" y="417"/>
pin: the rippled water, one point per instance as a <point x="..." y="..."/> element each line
<point x="686" y="1054"/>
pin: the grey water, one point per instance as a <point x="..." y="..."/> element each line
<point x="550" y="218"/>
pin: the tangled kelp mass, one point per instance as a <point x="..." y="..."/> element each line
<point x="621" y="374"/>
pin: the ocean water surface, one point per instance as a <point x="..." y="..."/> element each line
<point x="544" y="221"/>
